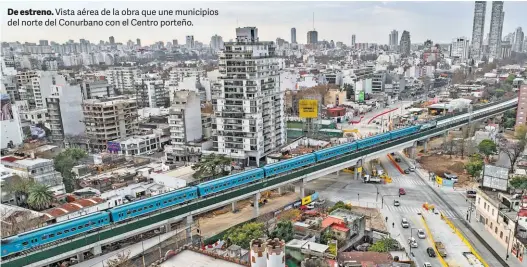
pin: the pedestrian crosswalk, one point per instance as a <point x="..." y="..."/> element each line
<point x="412" y="210"/>
<point x="407" y="180"/>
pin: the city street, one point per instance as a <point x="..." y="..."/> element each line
<point x="344" y="188"/>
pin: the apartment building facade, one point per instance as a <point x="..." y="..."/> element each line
<point x="109" y="119"/>
<point x="249" y="106"/>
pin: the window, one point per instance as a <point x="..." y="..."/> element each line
<point x="25" y="243"/>
<point x="59" y="233"/>
<point x="501" y="234"/>
<point x="73" y="229"/>
<point x="80" y="227"/>
<point x="66" y="231"/>
<point x="51" y="235"/>
<point x="44" y="237"/>
<point x="496" y="230"/>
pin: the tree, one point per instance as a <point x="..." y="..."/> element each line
<point x="487" y="147"/>
<point x="339" y="205"/>
<point x="510" y="79"/>
<point x="122" y="260"/>
<point x="519" y="182"/>
<point x="64" y="163"/>
<point x="211" y="166"/>
<point x="243" y="235"/>
<point x="18" y="186"/>
<point x="327" y="236"/>
<point x="283" y="231"/>
<point x="475" y="165"/>
<point x="513" y="150"/>
<point x="40" y="197"/>
<point x="384" y="245"/>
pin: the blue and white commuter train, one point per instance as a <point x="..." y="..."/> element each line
<point x="21" y="242"/>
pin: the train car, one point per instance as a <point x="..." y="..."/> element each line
<point x="289" y="165"/>
<point x="404" y="132"/>
<point x="51" y="233"/>
<point x="231" y="181"/>
<point x="374" y="140"/>
<point x="428" y="125"/>
<point x="138" y="208"/>
<point x="332" y="152"/>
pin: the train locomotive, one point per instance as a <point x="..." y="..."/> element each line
<point x="68" y="229"/>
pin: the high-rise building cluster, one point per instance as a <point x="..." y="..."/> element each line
<point x="495" y="45"/>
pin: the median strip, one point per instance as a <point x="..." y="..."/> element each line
<point x="395" y="164"/>
<point x="460" y="235"/>
<point x="441" y="260"/>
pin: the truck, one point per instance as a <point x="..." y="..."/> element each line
<point x="440" y="248"/>
<point x="376" y="168"/>
<point x="371" y="179"/>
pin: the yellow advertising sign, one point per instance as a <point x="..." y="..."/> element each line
<point x="359" y="169"/>
<point x="439" y="180"/>
<point x="308" y="108"/>
<point x="306" y="200"/>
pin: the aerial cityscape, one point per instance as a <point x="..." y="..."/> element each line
<point x="305" y="141"/>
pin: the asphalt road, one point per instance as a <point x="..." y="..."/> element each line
<point x="344" y="188"/>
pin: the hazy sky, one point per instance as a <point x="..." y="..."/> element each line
<point x="370" y="21"/>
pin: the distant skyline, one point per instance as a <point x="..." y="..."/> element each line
<point x="371" y="22"/>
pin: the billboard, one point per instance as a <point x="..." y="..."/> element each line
<point x="6" y="111"/>
<point x="308" y="108"/>
<point x="113" y="147"/>
<point x="496" y="177"/>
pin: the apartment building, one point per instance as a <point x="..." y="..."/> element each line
<point x="97" y="89"/>
<point x="521" y="114"/>
<point x="65" y="116"/>
<point x="40" y="170"/>
<point x="109" y="119"/>
<point x="186" y="132"/>
<point x="504" y="216"/>
<point x="151" y="92"/>
<point x="138" y="145"/>
<point x="249" y="106"/>
<point x="123" y="78"/>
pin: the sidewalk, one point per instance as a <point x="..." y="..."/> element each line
<point x="454" y="198"/>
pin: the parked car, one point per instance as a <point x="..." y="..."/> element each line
<point x="310" y="206"/>
<point x="150" y="153"/>
<point x="402" y="191"/>
<point x="405" y="223"/>
<point x="421" y="234"/>
<point x="431" y="252"/>
<point x="396" y="203"/>
<point x="406" y="171"/>
<point x="412" y="169"/>
<point x="427" y="264"/>
<point x="450" y="176"/>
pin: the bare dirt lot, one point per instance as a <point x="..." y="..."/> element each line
<point x="440" y="164"/>
<point x="215" y="224"/>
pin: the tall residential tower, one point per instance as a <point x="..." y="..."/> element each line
<point x="248" y="105"/>
<point x="293" y="35"/>
<point x="478" y="28"/>
<point x="496" y="27"/>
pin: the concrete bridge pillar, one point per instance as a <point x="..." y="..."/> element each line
<point x="80" y="257"/>
<point x="190" y="221"/>
<point x="338" y="173"/>
<point x="168" y="227"/>
<point x="233" y="206"/>
<point x="412" y="151"/>
<point x="425" y="145"/>
<point x="356" y="174"/>
<point x="280" y="190"/>
<point x="299" y="188"/>
<point x="256" y="210"/>
<point x="96" y="250"/>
